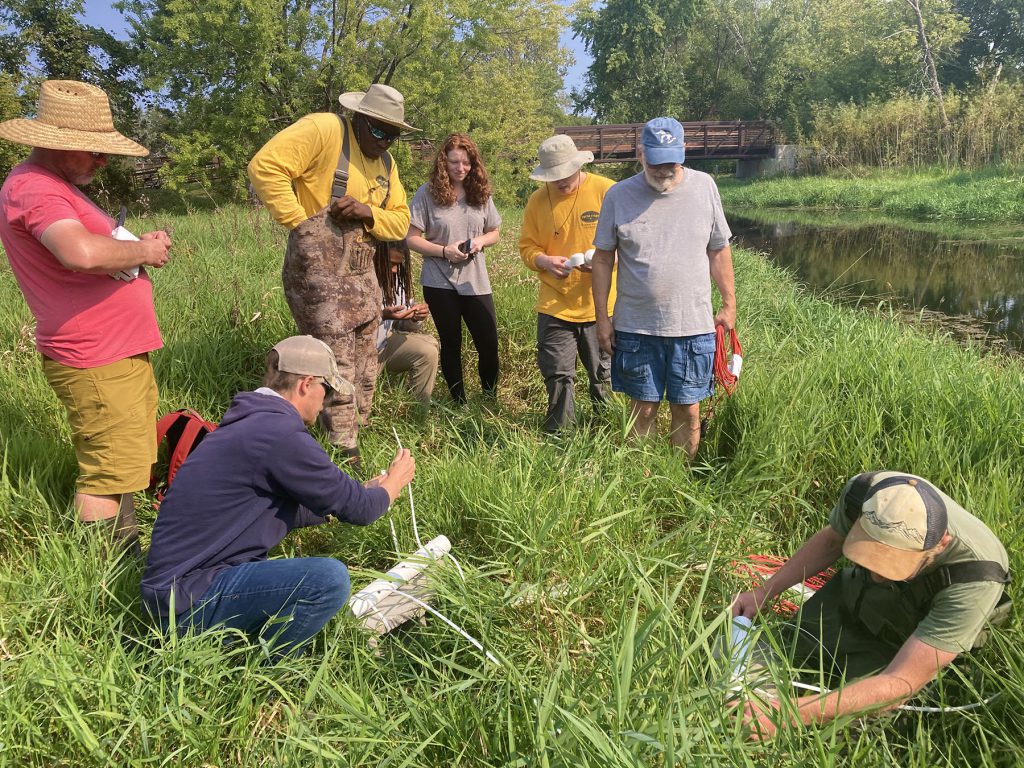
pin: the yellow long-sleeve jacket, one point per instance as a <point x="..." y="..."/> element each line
<point x="561" y="225"/>
<point x="293" y="172"/>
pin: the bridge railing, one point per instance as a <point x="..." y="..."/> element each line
<point x="737" y="140"/>
<point x="145" y="173"/>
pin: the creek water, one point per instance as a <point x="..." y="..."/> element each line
<point x="970" y="281"/>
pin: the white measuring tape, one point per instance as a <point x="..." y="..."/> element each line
<point x="741" y="644"/>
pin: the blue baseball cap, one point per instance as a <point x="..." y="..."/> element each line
<point x="663" y="141"/>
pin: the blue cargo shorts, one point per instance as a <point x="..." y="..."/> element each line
<point x="675" y="368"/>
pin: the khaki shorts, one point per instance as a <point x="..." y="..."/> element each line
<point x="112" y="410"/>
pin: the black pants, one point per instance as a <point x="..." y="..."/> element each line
<point x="449" y="309"/>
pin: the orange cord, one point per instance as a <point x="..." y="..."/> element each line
<point x="759" y="568"/>
<point x="723" y="375"/>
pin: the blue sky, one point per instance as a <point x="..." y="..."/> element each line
<point x="98" y="13"/>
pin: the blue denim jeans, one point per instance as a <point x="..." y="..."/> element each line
<point x="676" y="368"/>
<point x="300" y="594"/>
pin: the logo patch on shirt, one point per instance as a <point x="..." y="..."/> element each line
<point x="589" y="217"/>
<point x="382" y="182"/>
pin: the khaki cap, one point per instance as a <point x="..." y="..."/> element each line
<point x="379" y="101"/>
<point x="306" y="356"/>
<point x="902" y="522"/>
<point x="559" y="159"/>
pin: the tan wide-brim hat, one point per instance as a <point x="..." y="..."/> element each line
<point x="71" y="116"/>
<point x="559" y="159"/>
<point x="379" y="101"/>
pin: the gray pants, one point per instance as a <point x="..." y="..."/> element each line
<point x="558" y="341"/>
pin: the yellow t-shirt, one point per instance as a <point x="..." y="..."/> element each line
<point x="561" y="225"/>
<point x="293" y="173"/>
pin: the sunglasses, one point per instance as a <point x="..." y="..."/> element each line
<point x="379" y="134"/>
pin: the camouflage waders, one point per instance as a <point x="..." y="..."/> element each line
<point x="332" y="291"/>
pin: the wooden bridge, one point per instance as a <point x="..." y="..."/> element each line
<point x="735" y="140"/>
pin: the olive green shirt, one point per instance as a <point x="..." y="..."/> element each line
<point x="959" y="612"/>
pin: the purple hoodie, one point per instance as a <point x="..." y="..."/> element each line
<point x="252" y="480"/>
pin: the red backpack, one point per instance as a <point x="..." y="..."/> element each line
<point x="182" y="431"/>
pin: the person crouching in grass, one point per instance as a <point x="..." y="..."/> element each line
<point x="251" y="481"/>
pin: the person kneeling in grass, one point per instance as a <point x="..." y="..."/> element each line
<point x="249" y="482"/>
<point x="401" y="347"/>
<point x="927" y="578"/>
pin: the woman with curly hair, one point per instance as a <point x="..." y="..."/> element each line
<point x="453" y="220"/>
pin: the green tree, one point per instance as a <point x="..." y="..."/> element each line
<point x="777" y="59"/>
<point x="10" y="106"/>
<point x="745" y="59"/>
<point x="44" y="40"/>
<point x="993" y="45"/>
<point x="637" y="47"/>
<point x="232" y="72"/>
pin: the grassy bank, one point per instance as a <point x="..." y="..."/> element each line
<point x="597" y="571"/>
<point x="989" y="195"/>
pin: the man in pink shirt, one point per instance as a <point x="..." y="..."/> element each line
<point x="90" y="295"/>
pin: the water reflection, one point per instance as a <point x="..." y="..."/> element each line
<point x="961" y="275"/>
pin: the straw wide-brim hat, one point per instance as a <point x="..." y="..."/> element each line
<point x="559" y="159"/>
<point x="71" y="116"/>
<point x="379" y="101"/>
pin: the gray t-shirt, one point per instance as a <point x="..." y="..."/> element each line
<point x="663" y="239"/>
<point x="449" y="224"/>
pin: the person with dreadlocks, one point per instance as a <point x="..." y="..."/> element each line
<point x="401" y="348"/>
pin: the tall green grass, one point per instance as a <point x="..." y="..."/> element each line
<point x="597" y="570"/>
<point x="990" y="195"/>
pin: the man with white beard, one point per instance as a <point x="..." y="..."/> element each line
<point x="669" y="230"/>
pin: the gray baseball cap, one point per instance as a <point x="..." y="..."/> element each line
<point x="306" y="356"/>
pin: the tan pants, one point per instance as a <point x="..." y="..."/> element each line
<point x="415" y="354"/>
<point x="333" y="294"/>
